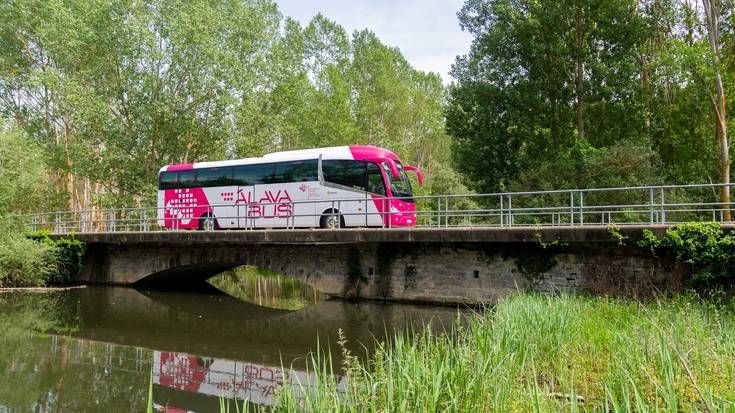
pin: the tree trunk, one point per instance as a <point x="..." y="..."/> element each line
<point x="713" y="32"/>
<point x="69" y="164"/>
<point x="579" y="76"/>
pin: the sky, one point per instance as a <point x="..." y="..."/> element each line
<point x="426" y="31"/>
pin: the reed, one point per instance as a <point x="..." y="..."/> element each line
<point x="544" y="353"/>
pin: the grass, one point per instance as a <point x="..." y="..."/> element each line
<point x="545" y="353"/>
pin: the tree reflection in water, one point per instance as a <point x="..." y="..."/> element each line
<point x="267" y="288"/>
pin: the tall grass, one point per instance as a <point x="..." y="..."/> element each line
<point x="546" y="353"/>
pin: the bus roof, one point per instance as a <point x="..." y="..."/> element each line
<point x="357" y="152"/>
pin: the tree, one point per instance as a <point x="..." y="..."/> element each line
<point x="543" y="76"/>
<point x="712" y="20"/>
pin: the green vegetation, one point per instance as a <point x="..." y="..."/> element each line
<point x="703" y="245"/>
<point x="68" y="255"/>
<point x="548" y="353"/>
<point x="24" y="262"/>
<point x="37" y="260"/>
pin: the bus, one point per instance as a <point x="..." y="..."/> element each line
<point x="336" y="187"/>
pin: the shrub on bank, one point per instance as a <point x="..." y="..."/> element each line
<point x="36" y="260"/>
<point x="24" y="262"/>
<point x="68" y="256"/>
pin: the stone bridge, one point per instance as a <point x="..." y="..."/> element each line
<point x="437" y="265"/>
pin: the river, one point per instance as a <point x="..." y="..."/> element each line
<point x="120" y="349"/>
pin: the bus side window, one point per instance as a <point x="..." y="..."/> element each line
<point x="207" y="177"/>
<point x="187" y="179"/>
<point x="167" y="180"/>
<point x="347" y="173"/>
<point x="375" y="183"/>
<point x="257" y="174"/>
<point x="296" y="171"/>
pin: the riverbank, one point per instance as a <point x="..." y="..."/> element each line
<point x="549" y="353"/>
<point x="39" y="290"/>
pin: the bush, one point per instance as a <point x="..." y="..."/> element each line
<point x="36" y="260"/>
<point x="704" y="245"/>
<point x="24" y="262"/>
<point x="68" y="255"/>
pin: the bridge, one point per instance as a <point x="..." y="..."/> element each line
<point x="465" y="249"/>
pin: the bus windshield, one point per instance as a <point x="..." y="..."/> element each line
<point x="401" y="186"/>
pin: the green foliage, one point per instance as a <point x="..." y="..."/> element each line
<point x="68" y="256"/>
<point x="23" y="174"/>
<point x="24" y="262"/>
<point x="616" y="235"/>
<point x="567" y="94"/>
<point x="535" y="353"/>
<point x="36" y="260"/>
<point x="704" y="245"/>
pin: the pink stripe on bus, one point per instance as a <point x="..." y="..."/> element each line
<point x="180" y="167"/>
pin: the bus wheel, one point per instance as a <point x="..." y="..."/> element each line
<point x="332" y="220"/>
<point x="208" y="223"/>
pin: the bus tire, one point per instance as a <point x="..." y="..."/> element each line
<point x="207" y="222"/>
<point x="331" y="219"/>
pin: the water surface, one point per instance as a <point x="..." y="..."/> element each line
<point x="100" y="349"/>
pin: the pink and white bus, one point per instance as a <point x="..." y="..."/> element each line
<point x="344" y="186"/>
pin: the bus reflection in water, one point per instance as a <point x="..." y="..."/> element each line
<point x="186" y="383"/>
<point x="303" y="189"/>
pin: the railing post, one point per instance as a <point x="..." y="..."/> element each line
<point x="446" y="211"/>
<point x="650" y="205"/>
<point x="33" y="223"/>
<point x="510" y="210"/>
<point x="438" y="211"/>
<point x="501" y="211"/>
<point x="663" y="208"/>
<point x="571" y="208"/>
<point x="111" y="220"/>
<point x="581" y="208"/>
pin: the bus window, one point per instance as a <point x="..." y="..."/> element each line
<point x="207" y="177"/>
<point x="167" y="180"/>
<point x="347" y="173"/>
<point x="296" y="171"/>
<point x="187" y="179"/>
<point x="258" y="174"/>
<point x="401" y="186"/>
<point x="375" y="183"/>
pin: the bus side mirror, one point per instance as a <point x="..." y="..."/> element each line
<point x="419" y="175"/>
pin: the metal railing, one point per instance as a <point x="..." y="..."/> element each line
<point x="666" y="204"/>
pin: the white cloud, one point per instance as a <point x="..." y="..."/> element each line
<point x="426" y="32"/>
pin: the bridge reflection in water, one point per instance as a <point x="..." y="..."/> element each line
<point x="195" y="347"/>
